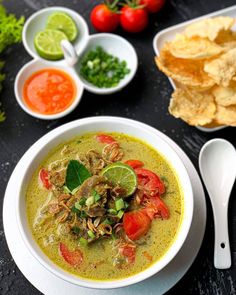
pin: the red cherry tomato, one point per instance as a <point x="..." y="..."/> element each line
<point x="104" y="19"/>
<point x="134" y="163"/>
<point x="74" y="258"/>
<point x="133" y="19"/>
<point x="104" y="138"/>
<point x="156" y="208"/>
<point x="151" y="183"/>
<point x="44" y="177"/>
<point x="128" y="251"/>
<point x="136" y="224"/>
<point x="153" y="6"/>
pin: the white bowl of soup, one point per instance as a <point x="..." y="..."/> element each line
<point x="104" y="202"/>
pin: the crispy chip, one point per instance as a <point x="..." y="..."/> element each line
<point x="184" y="71"/>
<point x="226" y="115"/>
<point x="223" y="68"/>
<point x="192" y="107"/>
<point x="209" y="28"/>
<point x="225" y="96"/>
<point x="193" y="48"/>
<point x="227" y="40"/>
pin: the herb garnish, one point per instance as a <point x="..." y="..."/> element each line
<point x="76" y="174"/>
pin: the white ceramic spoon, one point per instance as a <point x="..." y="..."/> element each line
<point x="217" y="162"/>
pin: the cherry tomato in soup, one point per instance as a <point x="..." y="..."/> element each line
<point x="104" y="18"/>
<point x="150" y="182"/>
<point x="74" y="258"/>
<point x="133" y="19"/>
<point x="134" y="163"/>
<point x="44" y="177"/>
<point x="136" y="224"/>
<point x="128" y="251"/>
<point x="153" y="6"/>
<point x="156" y="208"/>
<point x="104" y="138"/>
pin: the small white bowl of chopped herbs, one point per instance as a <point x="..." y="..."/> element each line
<point x="44" y="30"/>
<point x="108" y="63"/>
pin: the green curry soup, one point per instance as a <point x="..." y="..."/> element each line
<point x="116" y="219"/>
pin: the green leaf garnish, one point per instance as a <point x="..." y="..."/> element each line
<point x="76" y="174"/>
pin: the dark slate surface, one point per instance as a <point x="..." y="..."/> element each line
<point x="146" y="99"/>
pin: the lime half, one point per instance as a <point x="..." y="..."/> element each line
<point x="123" y="175"/>
<point x="64" y="23"/>
<point x="48" y="44"/>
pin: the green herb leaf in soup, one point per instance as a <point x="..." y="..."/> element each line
<point x="76" y="174"/>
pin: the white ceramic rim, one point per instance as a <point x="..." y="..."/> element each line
<point x="169" y="29"/>
<point x="94" y="89"/>
<point x="172" y="251"/>
<point x="79" y="90"/>
<point x="41" y="11"/>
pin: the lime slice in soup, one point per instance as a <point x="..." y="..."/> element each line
<point x="64" y="23"/>
<point x="48" y="44"/>
<point x="122" y="175"/>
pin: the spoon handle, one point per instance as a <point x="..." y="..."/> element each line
<point x="222" y="256"/>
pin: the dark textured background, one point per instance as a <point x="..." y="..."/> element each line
<point x="145" y="99"/>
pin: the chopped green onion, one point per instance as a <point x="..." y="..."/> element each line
<point x="77" y="205"/>
<point x="75" y="210"/>
<point x="126" y="205"/>
<point x="82" y="201"/>
<point x="97" y="197"/>
<point x="113" y="235"/>
<point x="90" y="201"/>
<point x="112" y="211"/>
<point x="78" y="141"/>
<point x="103" y="69"/>
<point x="83" y="242"/>
<point x="75" y="190"/>
<point x="83" y="214"/>
<point x="119" y="204"/>
<point x="91" y="234"/>
<point x="108" y="221"/>
<point x="75" y="229"/>
<point x="120" y="214"/>
<point x="66" y="190"/>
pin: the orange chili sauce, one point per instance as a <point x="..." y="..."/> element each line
<point x="49" y="91"/>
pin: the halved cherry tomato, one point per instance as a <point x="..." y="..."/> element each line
<point x="44" y="177"/>
<point x="153" y="6"/>
<point x="151" y="183"/>
<point x="105" y="18"/>
<point x="156" y="208"/>
<point x="128" y="251"/>
<point x="136" y="224"/>
<point x="104" y="138"/>
<point x="133" y="18"/>
<point x="134" y="163"/>
<point x="74" y="258"/>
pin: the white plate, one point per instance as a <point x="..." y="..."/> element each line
<point x="49" y="284"/>
<point x="169" y="33"/>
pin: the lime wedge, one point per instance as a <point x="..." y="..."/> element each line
<point x="123" y="175"/>
<point x="47" y="43"/>
<point x="64" y="23"/>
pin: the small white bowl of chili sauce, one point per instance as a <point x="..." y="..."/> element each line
<point x="47" y="92"/>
